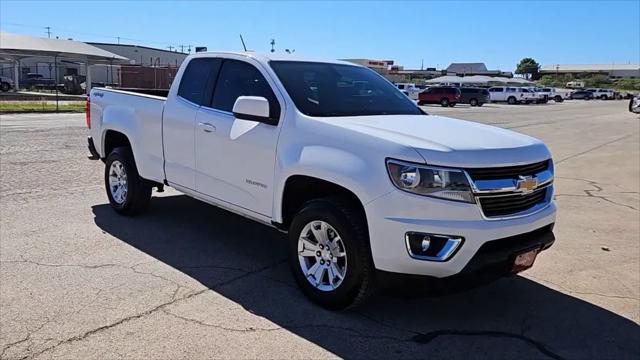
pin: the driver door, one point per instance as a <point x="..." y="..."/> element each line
<point x="235" y="158"/>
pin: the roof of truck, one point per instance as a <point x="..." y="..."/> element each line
<point x="266" y="57"/>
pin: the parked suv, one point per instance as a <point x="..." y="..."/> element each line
<point x="473" y="96"/>
<point x="445" y="96"/>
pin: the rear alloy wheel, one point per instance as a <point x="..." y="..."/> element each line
<point x="473" y="102"/>
<point x="329" y="253"/>
<point x="128" y="193"/>
<point x="444" y="102"/>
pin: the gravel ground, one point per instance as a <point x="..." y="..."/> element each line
<point x="188" y="281"/>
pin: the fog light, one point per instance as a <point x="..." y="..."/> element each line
<point x="432" y="247"/>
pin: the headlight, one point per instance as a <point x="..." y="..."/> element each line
<point x="450" y="184"/>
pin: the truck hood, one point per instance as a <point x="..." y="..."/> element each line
<point x="450" y="142"/>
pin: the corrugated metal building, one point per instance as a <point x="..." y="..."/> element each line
<point x="614" y="71"/>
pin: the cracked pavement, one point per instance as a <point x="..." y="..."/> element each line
<point x="189" y="281"/>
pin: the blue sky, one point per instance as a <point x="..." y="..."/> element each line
<point x="498" y="33"/>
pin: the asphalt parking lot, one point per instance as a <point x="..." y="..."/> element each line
<point x="187" y="280"/>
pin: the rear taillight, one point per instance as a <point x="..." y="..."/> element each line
<point x="87" y="112"/>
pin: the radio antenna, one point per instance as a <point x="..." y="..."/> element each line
<point x="243" y="45"/>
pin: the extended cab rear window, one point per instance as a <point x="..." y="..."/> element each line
<point x="327" y="89"/>
<point x="197" y="81"/>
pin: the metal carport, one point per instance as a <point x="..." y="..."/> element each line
<point x="14" y="47"/>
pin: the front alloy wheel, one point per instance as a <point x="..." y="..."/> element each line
<point x="322" y="256"/>
<point x="329" y="253"/>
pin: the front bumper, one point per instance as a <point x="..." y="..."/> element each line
<point x="397" y="213"/>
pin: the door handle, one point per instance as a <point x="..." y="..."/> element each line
<point x="207" y="127"/>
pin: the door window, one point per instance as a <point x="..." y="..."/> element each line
<point x="238" y="78"/>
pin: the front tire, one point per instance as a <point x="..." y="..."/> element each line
<point x="329" y="254"/>
<point x="512" y="100"/>
<point x="473" y="102"/>
<point x="128" y="193"/>
<point x="4" y="87"/>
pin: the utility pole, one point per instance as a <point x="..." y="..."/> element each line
<point x="422" y="64"/>
<point x="189" y="49"/>
<point x="118" y="39"/>
<point x="170" y="48"/>
<point x="273" y="45"/>
<point x="48" y="31"/>
<point x="181" y="48"/>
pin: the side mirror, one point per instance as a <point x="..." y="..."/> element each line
<point x="253" y="108"/>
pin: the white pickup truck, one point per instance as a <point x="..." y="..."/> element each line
<point x="512" y="95"/>
<point x="364" y="182"/>
<point x="557" y="95"/>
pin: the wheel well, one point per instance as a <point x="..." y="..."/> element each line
<point x="299" y="189"/>
<point x="114" y="139"/>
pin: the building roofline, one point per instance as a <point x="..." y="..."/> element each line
<point x="138" y="46"/>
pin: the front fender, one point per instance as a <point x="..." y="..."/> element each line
<point x="334" y="165"/>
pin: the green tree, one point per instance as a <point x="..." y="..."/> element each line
<point x="597" y="81"/>
<point x="529" y="68"/>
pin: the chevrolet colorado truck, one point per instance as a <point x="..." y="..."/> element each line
<point x="362" y="180"/>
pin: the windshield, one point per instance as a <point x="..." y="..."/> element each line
<point x="324" y="89"/>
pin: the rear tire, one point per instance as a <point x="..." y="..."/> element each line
<point x="558" y="98"/>
<point x="444" y="102"/>
<point x="346" y="231"/>
<point x="4" y="87"/>
<point x="604" y="97"/>
<point x="128" y="193"/>
<point x="473" y="102"/>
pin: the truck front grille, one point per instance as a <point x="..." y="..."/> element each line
<point x="512" y="204"/>
<point x="507" y="172"/>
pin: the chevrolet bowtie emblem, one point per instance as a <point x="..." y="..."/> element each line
<point x="526" y="183"/>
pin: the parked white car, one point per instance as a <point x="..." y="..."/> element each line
<point x="603" y="94"/>
<point x="634" y="104"/>
<point x="409" y="89"/>
<point x="362" y="180"/>
<point x="511" y="95"/>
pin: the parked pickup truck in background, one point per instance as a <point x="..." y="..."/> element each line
<point x="603" y="94"/>
<point x="554" y="94"/>
<point x="360" y="178"/>
<point x="512" y="95"/>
